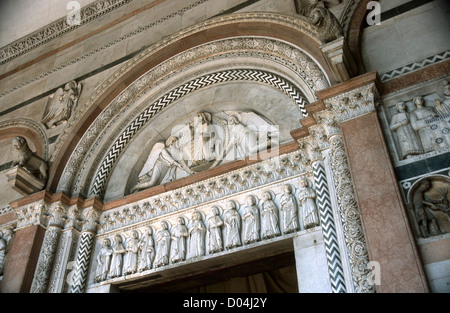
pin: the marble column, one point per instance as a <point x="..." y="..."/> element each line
<point x="48" y="251"/>
<point x="21" y="261"/>
<point x="89" y="229"/>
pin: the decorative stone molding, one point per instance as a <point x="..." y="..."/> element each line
<point x="57" y="29"/>
<point x="340" y="59"/>
<point x="23" y="182"/>
<point x="353" y="103"/>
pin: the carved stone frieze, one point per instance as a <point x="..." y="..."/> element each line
<point x="257" y="175"/>
<point x="57" y="29"/>
<point x="205" y="230"/>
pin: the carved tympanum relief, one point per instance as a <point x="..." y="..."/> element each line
<point x="207" y="230"/>
<point x="429" y="200"/>
<point x="61" y="104"/>
<point x="420" y="125"/>
<point x="206" y="142"/>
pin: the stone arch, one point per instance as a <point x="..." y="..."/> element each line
<point x="111" y="99"/>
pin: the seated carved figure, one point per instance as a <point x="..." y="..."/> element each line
<point x="24" y="157"/>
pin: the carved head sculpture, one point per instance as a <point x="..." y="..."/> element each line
<point x="107" y="242"/>
<point x="418" y="101"/>
<point x="267" y="196"/>
<point x="171" y="140"/>
<point x="287" y="189"/>
<point x="231" y="205"/>
<point x="250" y="200"/>
<point x="401" y="106"/>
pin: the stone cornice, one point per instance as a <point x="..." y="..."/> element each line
<point x="57" y="29"/>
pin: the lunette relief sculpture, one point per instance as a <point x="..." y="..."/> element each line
<point x="62" y="104"/>
<point x="210" y="140"/>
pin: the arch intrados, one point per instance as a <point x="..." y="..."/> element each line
<point x="267" y="28"/>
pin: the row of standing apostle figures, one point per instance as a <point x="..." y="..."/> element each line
<point x="234" y="229"/>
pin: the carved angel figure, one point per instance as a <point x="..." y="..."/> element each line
<point x="269" y="217"/>
<point x="197" y="236"/>
<point x="214" y="222"/>
<point x="103" y="261"/>
<point x="232" y="226"/>
<point x="61" y="105"/>
<point x="168" y="159"/>
<point x="251" y="221"/>
<point x="289" y="210"/>
<point x="307" y="197"/>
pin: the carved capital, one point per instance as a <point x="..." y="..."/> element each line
<point x="353" y="103"/>
<point x="90" y="220"/>
<point x="31" y="214"/>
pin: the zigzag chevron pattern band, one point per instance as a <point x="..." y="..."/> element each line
<point x="113" y="154"/>
<point x="79" y="276"/>
<point x="335" y="268"/>
<point x="385" y="76"/>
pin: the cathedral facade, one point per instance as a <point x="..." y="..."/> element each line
<point x="225" y="146"/>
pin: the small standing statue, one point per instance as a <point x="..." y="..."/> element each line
<point x="178" y="245"/>
<point x="146" y="250"/>
<point x="162" y="245"/>
<point x="214" y="223"/>
<point x="232" y="226"/>
<point x="269" y="217"/>
<point x="104" y="261"/>
<point x="197" y="236"/>
<point x="117" y="257"/>
<point x="290" y="210"/>
<point x="251" y="221"/>
<point x="131" y="256"/>
<point x="307" y="197"/>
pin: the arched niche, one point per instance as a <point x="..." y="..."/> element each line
<point x="291" y="65"/>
